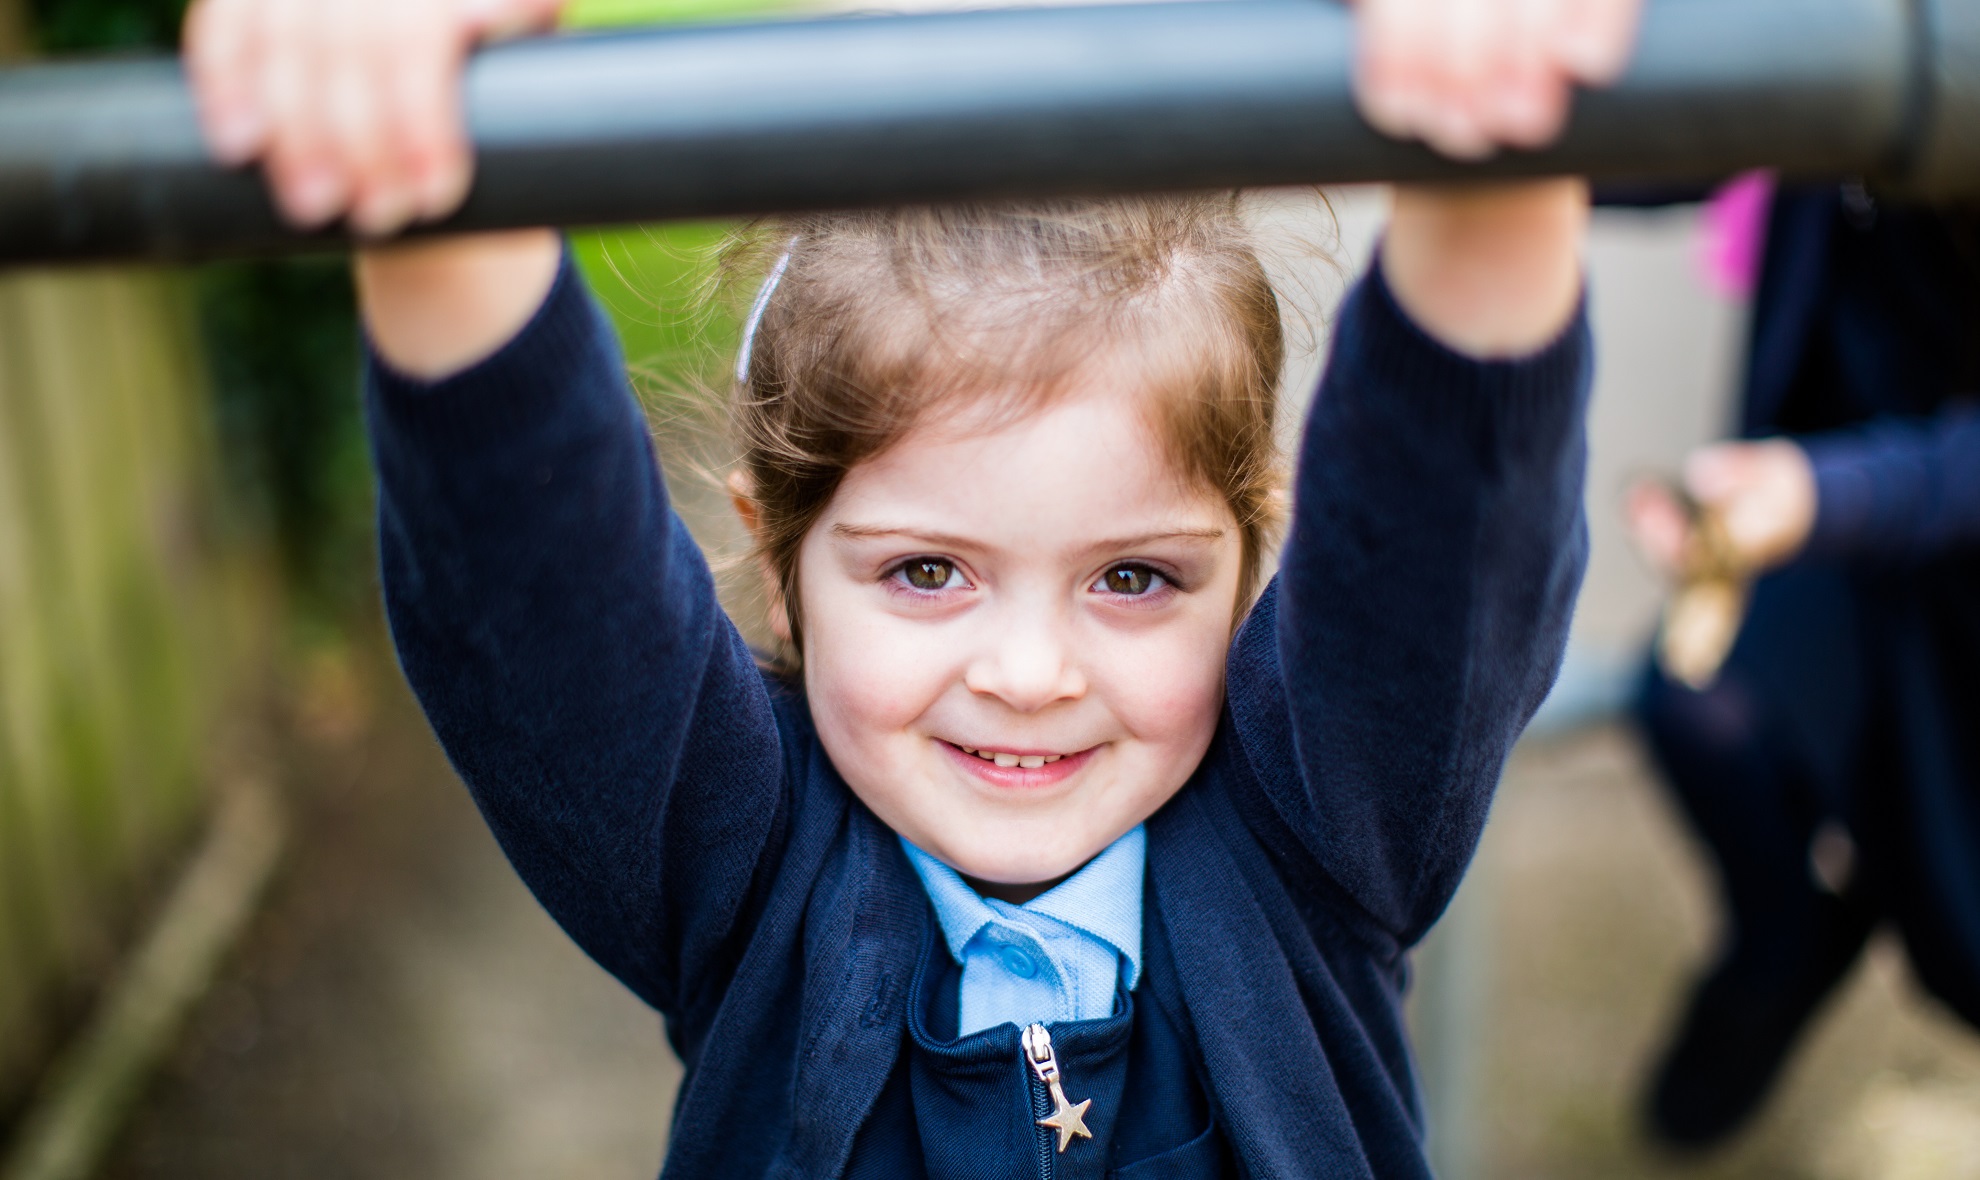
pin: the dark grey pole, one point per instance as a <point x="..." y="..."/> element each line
<point x="102" y="160"/>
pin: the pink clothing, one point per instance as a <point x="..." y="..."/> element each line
<point x="1735" y="234"/>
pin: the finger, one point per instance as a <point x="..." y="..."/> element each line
<point x="438" y="156"/>
<point x="424" y="137"/>
<point x="1753" y="524"/>
<point x="362" y="125"/>
<point x="1461" y="48"/>
<point x="1658" y="525"/>
<point x="1716" y="474"/>
<point x="220" y="45"/>
<point x="1386" y="88"/>
<point x="1595" y="39"/>
<point x="1458" y="50"/>
<point x="311" y="185"/>
<point x="1528" y="101"/>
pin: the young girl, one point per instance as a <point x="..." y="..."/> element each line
<point x="1052" y="847"/>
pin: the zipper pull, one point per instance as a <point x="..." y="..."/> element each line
<point x="1066" y="1117"/>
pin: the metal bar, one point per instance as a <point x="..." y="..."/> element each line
<point x="103" y="160"/>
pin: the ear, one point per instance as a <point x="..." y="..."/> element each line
<point x="741" y="495"/>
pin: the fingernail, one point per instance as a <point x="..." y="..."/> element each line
<point x="383" y="214"/>
<point x="313" y="196"/>
<point x="1520" y="113"/>
<point x="1591" y="58"/>
<point x="1397" y="111"/>
<point x="1457" y="135"/>
<point x="441" y="191"/>
<point x="234" y="136"/>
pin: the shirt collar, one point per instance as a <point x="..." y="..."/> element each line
<point x="1102" y="899"/>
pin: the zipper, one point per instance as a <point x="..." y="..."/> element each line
<point x="1041" y="1107"/>
<point x="1056" y="1115"/>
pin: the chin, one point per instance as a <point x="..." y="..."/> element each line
<point x="1008" y="858"/>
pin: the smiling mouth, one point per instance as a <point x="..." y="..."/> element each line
<point x="1008" y="759"/>
<point x="1028" y="769"/>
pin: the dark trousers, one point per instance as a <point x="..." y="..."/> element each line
<point x="1843" y="704"/>
<point x="1762" y="761"/>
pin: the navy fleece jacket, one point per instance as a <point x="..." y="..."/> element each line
<point x="670" y="805"/>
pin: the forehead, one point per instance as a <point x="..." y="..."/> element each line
<point x="1084" y="464"/>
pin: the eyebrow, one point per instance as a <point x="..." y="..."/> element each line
<point x="862" y="532"/>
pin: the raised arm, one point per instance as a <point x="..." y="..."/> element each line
<point x="1427" y="584"/>
<point x="561" y="630"/>
<point x="1438" y="539"/>
<point x="1897" y="489"/>
<point x="553" y="614"/>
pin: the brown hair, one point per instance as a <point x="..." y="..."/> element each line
<point x="880" y="317"/>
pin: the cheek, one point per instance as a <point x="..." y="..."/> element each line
<point x="1169" y="690"/>
<point x="869" y="674"/>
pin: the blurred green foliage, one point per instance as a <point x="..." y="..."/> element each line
<point x="282" y="350"/>
<point x="70" y="26"/>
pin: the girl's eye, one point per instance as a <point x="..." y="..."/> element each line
<point x="928" y="573"/>
<point x="1130" y="580"/>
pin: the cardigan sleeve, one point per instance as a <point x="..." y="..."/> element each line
<point x="561" y="631"/>
<point x="1422" y="605"/>
<point x="1897" y="489"/>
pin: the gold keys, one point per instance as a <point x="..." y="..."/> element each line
<point x="1703" y="616"/>
<point x="1067" y="1118"/>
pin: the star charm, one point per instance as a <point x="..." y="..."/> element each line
<point x="1067" y="1120"/>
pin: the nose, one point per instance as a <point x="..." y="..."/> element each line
<point x="1028" y="662"/>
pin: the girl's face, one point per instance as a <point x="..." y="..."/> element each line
<point x="1014" y="635"/>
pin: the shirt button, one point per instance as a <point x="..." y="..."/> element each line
<point x="1017" y="962"/>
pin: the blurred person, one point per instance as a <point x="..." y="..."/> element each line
<point x="1832" y="767"/>
<point x="1009" y="470"/>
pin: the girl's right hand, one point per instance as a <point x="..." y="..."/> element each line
<point x="353" y="107"/>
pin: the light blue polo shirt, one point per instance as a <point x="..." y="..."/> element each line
<point x="1057" y="956"/>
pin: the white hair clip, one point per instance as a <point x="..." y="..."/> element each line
<point x="769" y="288"/>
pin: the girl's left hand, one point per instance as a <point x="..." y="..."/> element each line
<point x="1470" y="76"/>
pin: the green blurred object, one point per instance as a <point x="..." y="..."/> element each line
<point x="653" y="280"/>
<point x="283" y="343"/>
<point x="123" y="627"/>
<point x="595" y="14"/>
<point x="679" y="343"/>
<point x="123" y="623"/>
<point x="69" y="26"/>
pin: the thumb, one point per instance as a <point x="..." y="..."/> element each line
<point x="1658" y="525"/>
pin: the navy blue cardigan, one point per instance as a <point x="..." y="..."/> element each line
<point x="668" y="802"/>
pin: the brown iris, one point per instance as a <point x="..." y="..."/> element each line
<point x="1128" y="579"/>
<point x="928" y="573"/>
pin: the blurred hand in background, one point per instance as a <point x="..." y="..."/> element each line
<point x="1762" y="493"/>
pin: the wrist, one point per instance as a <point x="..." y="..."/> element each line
<point x="435" y="306"/>
<point x="1491" y="271"/>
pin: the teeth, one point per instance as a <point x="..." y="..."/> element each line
<point x="1027" y="761"/>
